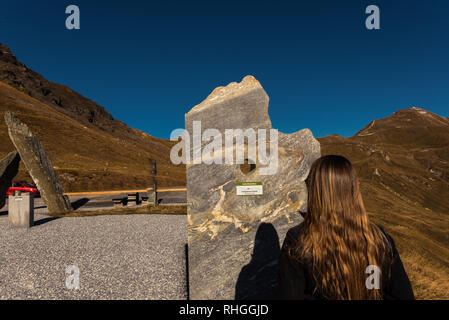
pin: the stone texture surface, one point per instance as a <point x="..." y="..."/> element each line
<point x="38" y="164"/>
<point x="9" y="167"/>
<point x="234" y="240"/>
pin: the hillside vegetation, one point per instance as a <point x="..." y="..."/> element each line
<point x="403" y="165"/>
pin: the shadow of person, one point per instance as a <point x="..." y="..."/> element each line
<point x="258" y="279"/>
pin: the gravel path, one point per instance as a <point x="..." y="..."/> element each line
<point x="119" y="257"/>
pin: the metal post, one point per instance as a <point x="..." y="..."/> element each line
<point x="155" y="191"/>
<point x="153" y="172"/>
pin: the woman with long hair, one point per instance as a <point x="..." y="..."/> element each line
<point x="336" y="252"/>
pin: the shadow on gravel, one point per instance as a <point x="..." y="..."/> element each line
<point x="258" y="279"/>
<point x="79" y="203"/>
<point x="44" y="220"/>
<point x="186" y="251"/>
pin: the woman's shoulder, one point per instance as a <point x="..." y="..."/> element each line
<point x="292" y="235"/>
<point x="390" y="241"/>
<point x="296" y="230"/>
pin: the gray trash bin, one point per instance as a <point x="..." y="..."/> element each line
<point x="21" y="210"/>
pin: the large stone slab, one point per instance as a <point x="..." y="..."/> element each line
<point x="234" y="241"/>
<point x="9" y="167"/>
<point x="38" y="164"/>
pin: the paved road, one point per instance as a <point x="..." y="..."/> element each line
<point x="103" y="200"/>
<point x="119" y="257"/>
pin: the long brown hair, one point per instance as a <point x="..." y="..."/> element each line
<point x="337" y="234"/>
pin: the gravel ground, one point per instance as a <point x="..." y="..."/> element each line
<point x="119" y="257"/>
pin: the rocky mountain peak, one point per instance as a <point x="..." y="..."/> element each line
<point x="411" y="118"/>
<point x="19" y="76"/>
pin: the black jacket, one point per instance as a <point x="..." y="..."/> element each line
<point x="296" y="281"/>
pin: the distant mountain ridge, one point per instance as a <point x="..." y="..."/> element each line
<point x="405" y="118"/>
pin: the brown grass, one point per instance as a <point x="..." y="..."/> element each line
<point x="405" y="190"/>
<point x="87" y="158"/>
<point x="149" y="209"/>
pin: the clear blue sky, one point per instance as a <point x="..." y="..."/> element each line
<point x="149" y="62"/>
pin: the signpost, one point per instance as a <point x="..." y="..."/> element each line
<point x="153" y="173"/>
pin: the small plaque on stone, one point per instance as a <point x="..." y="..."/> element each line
<point x="249" y="188"/>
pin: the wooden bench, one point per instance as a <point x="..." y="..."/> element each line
<point x="134" y="197"/>
<point x="119" y="202"/>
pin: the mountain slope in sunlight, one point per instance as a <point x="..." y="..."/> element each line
<point x="403" y="166"/>
<point x="89" y="149"/>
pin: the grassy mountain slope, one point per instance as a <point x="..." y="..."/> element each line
<point x="403" y="165"/>
<point x="88" y="148"/>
